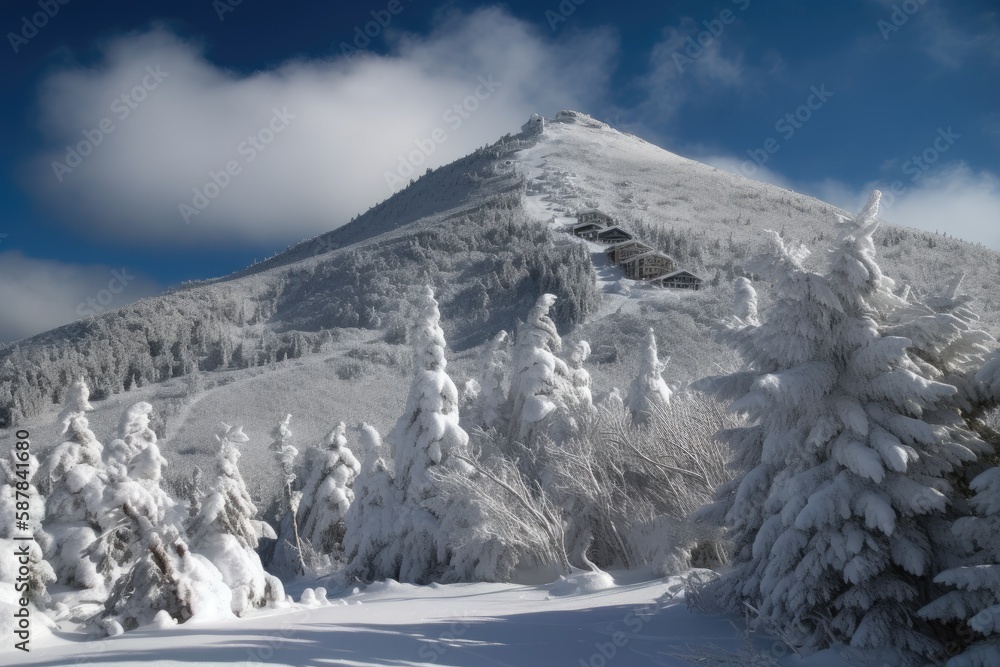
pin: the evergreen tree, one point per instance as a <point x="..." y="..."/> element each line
<point x="543" y="397"/>
<point x="224" y="530"/>
<point x="488" y="409"/>
<point x="745" y="302"/>
<point x="20" y="502"/>
<point x="137" y="482"/>
<point x="288" y="556"/>
<point x="328" y="495"/>
<point x="73" y="479"/>
<point x="426" y="435"/>
<point x="648" y="392"/>
<point x="834" y="516"/>
<point x="370" y="546"/>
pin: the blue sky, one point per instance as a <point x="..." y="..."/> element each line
<point x="164" y="95"/>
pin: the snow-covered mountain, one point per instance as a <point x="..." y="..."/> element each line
<point x="320" y="329"/>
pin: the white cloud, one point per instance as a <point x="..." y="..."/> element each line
<point x="41" y="294"/>
<point x="351" y="122"/>
<point x="681" y="65"/>
<point x="952" y="198"/>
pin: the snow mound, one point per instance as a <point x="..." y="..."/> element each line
<point x="582" y="584"/>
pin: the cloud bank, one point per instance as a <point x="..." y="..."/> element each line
<point x="156" y="144"/>
<point x="43" y="294"/>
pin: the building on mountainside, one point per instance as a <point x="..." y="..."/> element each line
<point x="679" y="280"/>
<point x="648" y="265"/>
<point x="613" y="235"/>
<point x="620" y="252"/>
<point x="595" y="216"/>
<point x="587" y="230"/>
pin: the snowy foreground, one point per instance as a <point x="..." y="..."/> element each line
<point x="583" y="620"/>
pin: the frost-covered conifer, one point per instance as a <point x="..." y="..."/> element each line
<point x="73" y="479"/>
<point x="580" y="377"/>
<point x="974" y="601"/>
<point x="371" y="549"/>
<point x="288" y="556"/>
<point x="21" y="502"/>
<point x="426" y="435"/>
<point x="224" y="530"/>
<point x="134" y="433"/>
<point x="327" y="495"/>
<point x="833" y="516"/>
<point x="745" y="302"/>
<point x="166" y="577"/>
<point x="543" y="397"/>
<point x="136" y="482"/>
<point x="488" y="410"/>
<point x="648" y="391"/>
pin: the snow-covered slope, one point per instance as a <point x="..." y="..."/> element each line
<point x="319" y="330"/>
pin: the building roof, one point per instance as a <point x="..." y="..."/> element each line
<point x="647" y="254"/>
<point x="611" y="229"/>
<point x="674" y="274"/>
<point x="622" y="244"/>
<point x="580" y="225"/>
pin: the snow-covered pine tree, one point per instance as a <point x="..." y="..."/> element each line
<point x="327" y="496"/>
<point x="830" y="517"/>
<point x="225" y="533"/>
<point x="488" y="410"/>
<point x="648" y="391"/>
<point x="745" y="302"/>
<point x="166" y="577"/>
<point x="72" y="477"/>
<point x="580" y="377"/>
<point x="973" y="604"/>
<point x="543" y="399"/>
<point x="20" y="502"/>
<point x="133" y="434"/>
<point x="371" y="549"/>
<point x="136" y="482"/>
<point x="426" y="435"/>
<point x="287" y="556"/>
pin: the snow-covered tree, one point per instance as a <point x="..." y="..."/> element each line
<point x="327" y="495"/>
<point x="974" y="601"/>
<point x="833" y="516"/>
<point x="287" y="556"/>
<point x="426" y="435"/>
<point x="543" y="398"/>
<point x="487" y="410"/>
<point x="21" y="510"/>
<point x="134" y="433"/>
<point x="136" y="482"/>
<point x="165" y="578"/>
<point x="648" y="391"/>
<point x="73" y="479"/>
<point x="580" y="377"/>
<point x="745" y="301"/>
<point x="371" y="549"/>
<point x="224" y="531"/>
